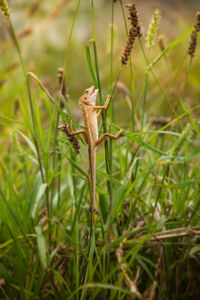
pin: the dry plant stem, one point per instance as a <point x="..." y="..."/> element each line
<point x="156" y="239"/>
<point x="132" y="285"/>
<point x="150" y="292"/>
<point x="168" y="234"/>
<point x="175" y="235"/>
<point x="176" y="230"/>
<point x="164" y="235"/>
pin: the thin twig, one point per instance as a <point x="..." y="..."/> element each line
<point x="131" y="284"/>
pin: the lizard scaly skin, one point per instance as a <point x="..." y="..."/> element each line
<point x="90" y="134"/>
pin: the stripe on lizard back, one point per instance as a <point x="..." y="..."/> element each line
<point x="90" y="134"/>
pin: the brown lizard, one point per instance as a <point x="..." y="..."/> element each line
<point x="90" y="134"/>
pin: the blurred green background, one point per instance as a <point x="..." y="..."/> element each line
<point x="43" y="29"/>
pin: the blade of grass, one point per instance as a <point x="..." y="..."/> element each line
<point x="170" y="47"/>
<point x="89" y="60"/>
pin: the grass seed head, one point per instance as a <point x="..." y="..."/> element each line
<point x="4" y="8"/>
<point x="193" y="43"/>
<point x="181" y="140"/>
<point x="134" y="31"/>
<point x="129" y="45"/>
<point x="197" y="25"/>
<point x="193" y="36"/>
<point x="134" y="17"/>
<point x="71" y="138"/>
<point x="153" y="29"/>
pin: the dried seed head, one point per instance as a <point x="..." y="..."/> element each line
<point x="4" y="8"/>
<point x="129" y="45"/>
<point x="153" y="29"/>
<point x="134" y="31"/>
<point x="193" y="132"/>
<point x="134" y="17"/>
<point x="122" y="88"/>
<point x="71" y="138"/>
<point x="193" y="43"/>
<point x="62" y="84"/>
<point x="161" y="43"/>
<point x="193" y="36"/>
<point x="197" y="25"/>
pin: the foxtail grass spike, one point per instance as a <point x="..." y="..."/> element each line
<point x="4" y="8"/>
<point x="193" y="37"/>
<point x="153" y="29"/>
<point x="193" y="44"/>
<point x="134" y="18"/>
<point x="71" y="138"/>
<point x="129" y="45"/>
<point x="134" y="31"/>
<point x="177" y="147"/>
<point x="197" y="25"/>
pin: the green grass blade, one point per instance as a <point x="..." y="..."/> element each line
<point x="41" y="246"/>
<point x="89" y="60"/>
<point x="170" y="47"/>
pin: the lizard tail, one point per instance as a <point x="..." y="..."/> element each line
<point x="92" y="164"/>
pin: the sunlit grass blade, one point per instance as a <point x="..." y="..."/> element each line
<point x="170" y="47"/>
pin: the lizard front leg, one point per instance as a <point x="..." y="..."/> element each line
<point x="99" y="106"/>
<point x="105" y="135"/>
<point x="71" y="132"/>
<point x="104" y="106"/>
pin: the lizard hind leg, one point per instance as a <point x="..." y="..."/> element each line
<point x="111" y="136"/>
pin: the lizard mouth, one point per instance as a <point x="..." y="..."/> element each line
<point x="92" y="94"/>
<point x="93" y="91"/>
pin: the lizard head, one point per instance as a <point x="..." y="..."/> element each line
<point x="91" y="95"/>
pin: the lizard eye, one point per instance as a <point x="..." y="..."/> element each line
<point x="86" y="91"/>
